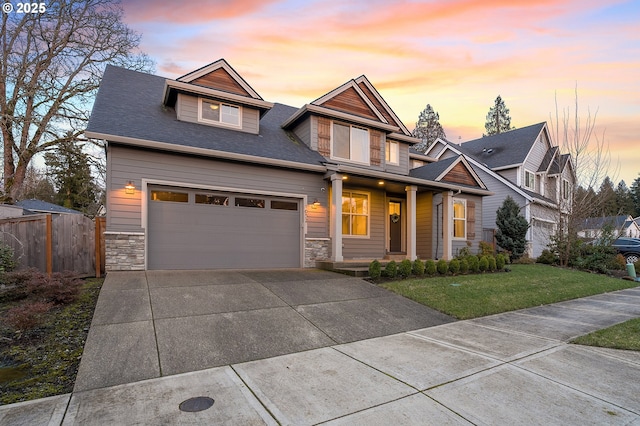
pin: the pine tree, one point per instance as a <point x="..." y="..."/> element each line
<point x="635" y="196"/>
<point x="624" y="200"/>
<point x="428" y="129"/>
<point x="607" y="199"/>
<point x="511" y="234"/>
<point x="71" y="172"/>
<point x="498" y="119"/>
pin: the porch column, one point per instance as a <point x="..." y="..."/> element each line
<point x="335" y="219"/>
<point x="447" y="224"/>
<point x="411" y="221"/>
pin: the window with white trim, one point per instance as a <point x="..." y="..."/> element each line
<point x="566" y="189"/>
<point x="355" y="214"/>
<point x="218" y="113"/>
<point x="392" y="152"/>
<point x="350" y="143"/>
<point x="529" y="180"/>
<point x="460" y="219"/>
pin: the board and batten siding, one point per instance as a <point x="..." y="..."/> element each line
<point x="187" y="110"/>
<point x="372" y="247"/>
<point x="124" y="211"/>
<point x="424" y="225"/>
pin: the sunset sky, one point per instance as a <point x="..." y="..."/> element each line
<point x="456" y="55"/>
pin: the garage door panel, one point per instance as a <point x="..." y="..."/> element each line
<point x="207" y="236"/>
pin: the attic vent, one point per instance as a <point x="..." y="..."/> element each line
<point x="490" y="150"/>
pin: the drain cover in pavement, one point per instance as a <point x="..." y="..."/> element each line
<point x="199" y="403"/>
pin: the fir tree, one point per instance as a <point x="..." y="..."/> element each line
<point x="635" y="196"/>
<point x="428" y="129"/>
<point x="511" y="234"/>
<point x="498" y="118"/>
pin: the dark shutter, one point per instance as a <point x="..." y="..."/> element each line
<point x="471" y="220"/>
<point x="375" y="148"/>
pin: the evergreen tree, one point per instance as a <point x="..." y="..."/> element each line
<point x="511" y="234"/>
<point x="635" y="196"/>
<point x="498" y="118"/>
<point x="71" y="172"/>
<point x="428" y="129"/>
<point x="607" y="199"/>
<point x="624" y="201"/>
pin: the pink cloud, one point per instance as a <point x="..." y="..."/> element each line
<point x="190" y="12"/>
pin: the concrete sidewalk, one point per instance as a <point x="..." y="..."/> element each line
<point x="512" y="368"/>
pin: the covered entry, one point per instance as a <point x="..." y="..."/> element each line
<point x="201" y="229"/>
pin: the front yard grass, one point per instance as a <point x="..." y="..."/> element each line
<point x="620" y="336"/>
<point x="473" y="296"/>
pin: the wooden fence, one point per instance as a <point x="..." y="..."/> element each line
<point x="56" y="242"/>
<point x="489" y="236"/>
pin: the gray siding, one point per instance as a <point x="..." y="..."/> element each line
<point x="374" y="246"/>
<point x="424" y="225"/>
<point x="187" y="110"/>
<point x="303" y="131"/>
<point x="403" y="159"/>
<point x="543" y="220"/>
<point x="124" y="212"/>
<point x="491" y="203"/>
<point x="511" y="174"/>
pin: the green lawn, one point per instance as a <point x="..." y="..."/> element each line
<point x="620" y="336"/>
<point x="472" y="296"/>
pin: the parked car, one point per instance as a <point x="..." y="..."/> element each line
<point x="629" y="248"/>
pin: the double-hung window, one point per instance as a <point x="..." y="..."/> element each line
<point x="218" y="113"/>
<point x="355" y="214"/>
<point x="392" y="152"/>
<point x="566" y="189"/>
<point x="350" y="143"/>
<point x="459" y="219"/>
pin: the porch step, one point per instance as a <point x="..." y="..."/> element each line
<point x="354" y="268"/>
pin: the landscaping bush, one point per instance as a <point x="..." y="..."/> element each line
<point x="418" y="267"/>
<point x="483" y="264"/>
<point x="464" y="266"/>
<point x="618" y="263"/>
<point x="375" y="270"/>
<point x="599" y="257"/>
<point x="391" y="270"/>
<point x="28" y="315"/>
<point x="500" y="261"/>
<point x="486" y="249"/>
<point x="464" y="251"/>
<point x="442" y="266"/>
<point x="546" y="257"/>
<point x="492" y="263"/>
<point x="59" y="288"/>
<point x="430" y="267"/>
<point x="7" y="264"/>
<point x="404" y="269"/>
<point x="474" y="266"/>
<point x="454" y="266"/>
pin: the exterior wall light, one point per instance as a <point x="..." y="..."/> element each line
<point x="129" y="188"/>
<point x="315" y="204"/>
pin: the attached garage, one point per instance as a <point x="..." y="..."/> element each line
<point x="200" y="229"/>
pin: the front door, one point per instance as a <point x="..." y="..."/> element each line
<point x="395" y="226"/>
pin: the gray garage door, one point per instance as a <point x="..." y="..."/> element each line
<point x="195" y="229"/>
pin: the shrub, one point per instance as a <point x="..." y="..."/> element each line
<point x="474" y="264"/>
<point x="464" y="266"/>
<point x="404" y="270"/>
<point x="442" y="266"/>
<point x="619" y="262"/>
<point x="500" y="261"/>
<point x="391" y="270"/>
<point x="7" y="264"/>
<point x="547" y="257"/>
<point x="483" y="263"/>
<point x="486" y="249"/>
<point x="27" y="316"/>
<point x="430" y="267"/>
<point x="464" y="251"/>
<point x="374" y="270"/>
<point x="492" y="263"/>
<point x="418" y="267"/>
<point x="512" y="229"/>
<point x="454" y="266"/>
<point x="59" y="288"/>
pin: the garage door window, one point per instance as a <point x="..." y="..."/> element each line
<point x="250" y="202"/>
<point x="176" y="197"/>
<point x="284" y="205"/>
<point x="217" y="200"/>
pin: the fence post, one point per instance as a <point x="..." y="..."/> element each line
<point x="49" y="245"/>
<point x="98" y="234"/>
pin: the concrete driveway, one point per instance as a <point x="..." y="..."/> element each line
<point x="159" y="323"/>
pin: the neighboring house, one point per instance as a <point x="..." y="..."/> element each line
<point x="28" y="207"/>
<point x="39" y="206"/>
<point x="622" y="226"/>
<point x="203" y="173"/>
<point x="524" y="164"/>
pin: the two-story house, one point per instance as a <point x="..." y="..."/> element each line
<point x="203" y="173"/>
<point x="524" y="164"/>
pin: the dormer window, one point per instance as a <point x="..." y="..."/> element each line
<point x="221" y="113"/>
<point x="350" y="143"/>
<point x="529" y="180"/>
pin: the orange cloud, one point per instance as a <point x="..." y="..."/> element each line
<point x="190" y="12"/>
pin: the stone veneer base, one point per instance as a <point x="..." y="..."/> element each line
<point x="316" y="249"/>
<point x="124" y="251"/>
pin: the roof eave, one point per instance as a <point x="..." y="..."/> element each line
<point x="328" y="112"/>
<point x="170" y="85"/>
